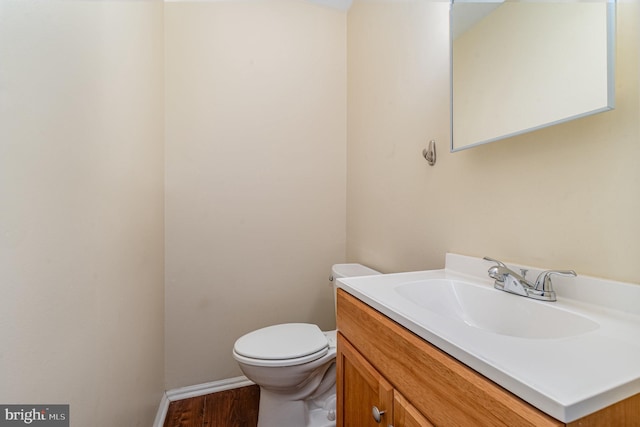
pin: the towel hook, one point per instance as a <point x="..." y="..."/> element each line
<point x="430" y="153"/>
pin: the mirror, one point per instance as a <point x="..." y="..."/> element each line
<point x="518" y="66"/>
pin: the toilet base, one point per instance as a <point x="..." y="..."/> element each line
<point x="321" y="412"/>
<point x="277" y="412"/>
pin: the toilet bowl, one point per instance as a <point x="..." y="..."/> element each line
<point x="294" y="366"/>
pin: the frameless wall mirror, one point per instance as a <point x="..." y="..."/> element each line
<point x="518" y="66"/>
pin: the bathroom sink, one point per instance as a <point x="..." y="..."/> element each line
<point x="495" y="311"/>
<point x="568" y="358"/>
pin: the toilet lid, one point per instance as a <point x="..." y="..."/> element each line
<point x="281" y="342"/>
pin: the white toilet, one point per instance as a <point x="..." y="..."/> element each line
<point x="294" y="365"/>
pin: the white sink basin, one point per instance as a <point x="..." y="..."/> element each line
<point x="495" y="311"/>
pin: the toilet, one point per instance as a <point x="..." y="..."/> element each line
<point x="294" y="364"/>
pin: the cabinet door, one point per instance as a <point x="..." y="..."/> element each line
<point x="406" y="415"/>
<point x="360" y="390"/>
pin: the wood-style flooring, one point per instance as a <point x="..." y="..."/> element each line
<point x="231" y="408"/>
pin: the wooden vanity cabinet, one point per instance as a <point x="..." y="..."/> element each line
<point x="362" y="388"/>
<point x="406" y="415"/>
<point x="382" y="364"/>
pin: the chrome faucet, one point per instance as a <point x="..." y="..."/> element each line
<point x="509" y="281"/>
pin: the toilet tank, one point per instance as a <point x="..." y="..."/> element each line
<point x="339" y="271"/>
<point x="348" y="270"/>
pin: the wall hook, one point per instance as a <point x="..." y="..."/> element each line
<point x="430" y="153"/>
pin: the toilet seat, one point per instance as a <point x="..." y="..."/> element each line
<point x="287" y="344"/>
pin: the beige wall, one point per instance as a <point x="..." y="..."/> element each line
<point x="81" y="248"/>
<point x="563" y="197"/>
<point x="255" y="174"/>
<point x="256" y="128"/>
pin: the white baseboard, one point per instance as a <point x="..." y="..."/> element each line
<point x="195" y="391"/>
<point x="162" y="411"/>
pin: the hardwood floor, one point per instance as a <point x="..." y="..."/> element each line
<point x="231" y="408"/>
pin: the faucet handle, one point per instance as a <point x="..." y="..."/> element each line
<point x="500" y="263"/>
<point x="497" y="272"/>
<point x="543" y="282"/>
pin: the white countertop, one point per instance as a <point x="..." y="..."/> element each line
<point x="567" y="378"/>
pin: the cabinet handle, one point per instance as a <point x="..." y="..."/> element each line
<point x="377" y="414"/>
